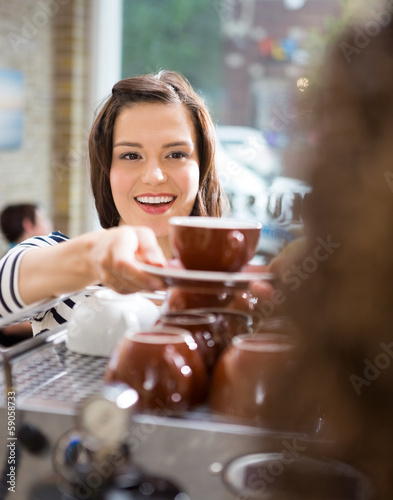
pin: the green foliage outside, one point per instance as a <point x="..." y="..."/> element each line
<point x="185" y="36"/>
<point x="180" y="35"/>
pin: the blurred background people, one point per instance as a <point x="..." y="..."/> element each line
<point x="19" y="222"/>
<point x="24" y="220"/>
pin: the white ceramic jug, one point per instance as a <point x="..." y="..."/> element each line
<point x="100" y="321"/>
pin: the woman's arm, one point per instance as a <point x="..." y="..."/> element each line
<point x="108" y="257"/>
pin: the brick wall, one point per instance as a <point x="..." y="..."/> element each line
<point x="47" y="41"/>
<point x="70" y="79"/>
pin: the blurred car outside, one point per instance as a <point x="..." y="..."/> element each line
<point x="248" y="146"/>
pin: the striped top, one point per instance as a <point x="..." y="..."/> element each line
<point x="10" y="300"/>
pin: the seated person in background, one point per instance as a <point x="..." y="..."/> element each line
<point x="24" y="220"/>
<point x="19" y="222"/>
<point x="152" y="156"/>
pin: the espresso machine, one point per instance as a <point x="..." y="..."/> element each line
<point x="283" y="215"/>
<point x="67" y="435"/>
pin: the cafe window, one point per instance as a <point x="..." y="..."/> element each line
<point x="248" y="59"/>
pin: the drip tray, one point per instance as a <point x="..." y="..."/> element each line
<point x="52" y="378"/>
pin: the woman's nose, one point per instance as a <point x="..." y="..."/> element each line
<point x="153" y="174"/>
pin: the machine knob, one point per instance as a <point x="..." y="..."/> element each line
<point x="32" y="439"/>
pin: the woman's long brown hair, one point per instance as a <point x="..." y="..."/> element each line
<point x="165" y="87"/>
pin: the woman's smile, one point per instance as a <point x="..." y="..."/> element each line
<point x="155" y="203"/>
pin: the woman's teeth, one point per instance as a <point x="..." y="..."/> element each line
<point x="154" y="200"/>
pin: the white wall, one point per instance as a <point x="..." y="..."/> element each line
<point x="105" y="64"/>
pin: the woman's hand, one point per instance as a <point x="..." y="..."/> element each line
<point x="114" y="258"/>
<point x="108" y="257"/>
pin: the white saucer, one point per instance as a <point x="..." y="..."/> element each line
<point x="179" y="276"/>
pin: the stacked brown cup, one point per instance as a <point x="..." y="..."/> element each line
<point x="251" y="369"/>
<point x="172" y="365"/>
<point x="220" y="246"/>
<point x="163" y="365"/>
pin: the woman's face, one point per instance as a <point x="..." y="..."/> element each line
<point x="155" y="169"/>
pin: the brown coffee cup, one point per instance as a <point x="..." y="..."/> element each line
<point x="213" y="243"/>
<point x="229" y="322"/>
<point x="163" y="365"/>
<point x="181" y="298"/>
<point x="250" y="378"/>
<point x="203" y="328"/>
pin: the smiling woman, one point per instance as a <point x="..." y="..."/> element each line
<point x="186" y="119"/>
<point x="155" y="167"/>
<point x="151" y="152"/>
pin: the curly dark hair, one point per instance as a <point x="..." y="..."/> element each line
<point x="344" y="308"/>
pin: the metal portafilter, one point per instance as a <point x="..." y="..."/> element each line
<point x="94" y="461"/>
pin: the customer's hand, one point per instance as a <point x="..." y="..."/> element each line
<point x="109" y="257"/>
<point x="287" y="257"/>
<point x="264" y="290"/>
<point x="116" y="254"/>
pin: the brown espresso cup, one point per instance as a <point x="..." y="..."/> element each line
<point x="213" y="243"/>
<point x="181" y="298"/>
<point x="251" y="379"/>
<point x="204" y="329"/>
<point x="163" y="365"/>
<point x="229" y="322"/>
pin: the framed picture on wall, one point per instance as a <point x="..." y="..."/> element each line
<point x="12" y="112"/>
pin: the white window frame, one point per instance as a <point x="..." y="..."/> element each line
<point x="105" y="66"/>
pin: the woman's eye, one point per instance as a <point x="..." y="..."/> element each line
<point x="178" y="155"/>
<point x="130" y="156"/>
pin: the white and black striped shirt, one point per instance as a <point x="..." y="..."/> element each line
<point x="10" y="300"/>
